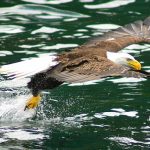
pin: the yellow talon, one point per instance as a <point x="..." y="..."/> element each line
<point x="33" y="102"/>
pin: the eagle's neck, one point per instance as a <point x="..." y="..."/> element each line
<point x="119" y="58"/>
<point x="113" y="56"/>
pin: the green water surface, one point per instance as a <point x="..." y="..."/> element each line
<point x="112" y="114"/>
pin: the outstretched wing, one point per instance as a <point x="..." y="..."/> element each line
<point x="28" y="67"/>
<point x="115" y="40"/>
<point x="95" y="68"/>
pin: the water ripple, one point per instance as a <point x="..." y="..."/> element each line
<point x="10" y="29"/>
<point x="127" y="80"/>
<point x="111" y="4"/>
<point x="59" y="46"/>
<point x="46" y="30"/>
<point x="33" y="9"/>
<point x="124" y="140"/>
<point x="116" y="112"/>
<point x="103" y="26"/>
<point x="5" y="53"/>
<point x="48" y="2"/>
<point x="136" y="48"/>
<point x="23" y="135"/>
<point x="105" y="114"/>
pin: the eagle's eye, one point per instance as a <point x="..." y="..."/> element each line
<point x="129" y="59"/>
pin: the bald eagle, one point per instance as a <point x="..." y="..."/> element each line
<point x="98" y="58"/>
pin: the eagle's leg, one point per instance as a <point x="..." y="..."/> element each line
<point x="33" y="101"/>
<point x="38" y="83"/>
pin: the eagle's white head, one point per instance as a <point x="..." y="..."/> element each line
<point x="124" y="59"/>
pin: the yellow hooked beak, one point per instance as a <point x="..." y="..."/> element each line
<point x="134" y="64"/>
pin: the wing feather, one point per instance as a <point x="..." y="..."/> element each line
<point x="136" y="32"/>
<point x="93" y="69"/>
<point x="29" y="67"/>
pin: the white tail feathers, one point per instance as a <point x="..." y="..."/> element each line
<point x="29" y="67"/>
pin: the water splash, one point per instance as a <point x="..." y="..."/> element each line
<point x="12" y="109"/>
<point x="13" y="97"/>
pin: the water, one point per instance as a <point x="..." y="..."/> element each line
<point x="110" y="114"/>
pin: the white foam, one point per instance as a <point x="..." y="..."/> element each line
<point x="12" y="109"/>
<point x="23" y="135"/>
